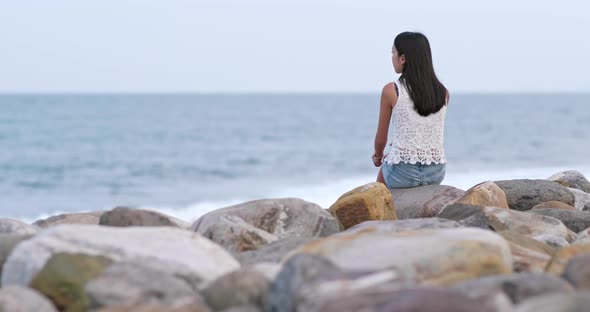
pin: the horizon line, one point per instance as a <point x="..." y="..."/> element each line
<point x="242" y="93"/>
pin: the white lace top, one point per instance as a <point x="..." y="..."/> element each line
<point x="415" y="138"/>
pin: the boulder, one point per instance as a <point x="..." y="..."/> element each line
<point x="442" y="256"/>
<point x="576" y="221"/>
<point x="364" y="203"/>
<point x="297" y="271"/>
<point x="467" y="215"/>
<point x="524" y="194"/>
<point x="404" y="225"/>
<point x="70" y="218"/>
<point x="419" y="299"/>
<point x="553" y="205"/>
<point x="170" y="249"/>
<point x="583" y="237"/>
<point x="273" y="252"/>
<point x="156" y="308"/>
<point x="518" y="287"/>
<point x="237" y="288"/>
<point x="64" y="277"/>
<point x="125" y="216"/>
<point x="571" y="179"/>
<point x="131" y="284"/>
<point x="484" y="194"/>
<point x="7" y="244"/>
<point x="12" y="226"/>
<point x="539" y="227"/>
<point x="423" y="201"/>
<point x="252" y="225"/>
<point x="528" y="255"/>
<point x="577" y="272"/>
<point x="22" y="299"/>
<point x="582" y="199"/>
<point x="563" y="256"/>
<point x="559" y="302"/>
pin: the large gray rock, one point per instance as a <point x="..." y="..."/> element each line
<point x="252" y="225"/>
<point x="518" y="287"/>
<point x="238" y="288"/>
<point x="441" y="257"/>
<point x="576" y="221"/>
<point x="22" y="299"/>
<point x="70" y="218"/>
<point x="524" y="194"/>
<point x="126" y="216"/>
<point x="423" y="201"/>
<point x="571" y="179"/>
<point x="559" y="302"/>
<point x="170" y="249"/>
<point x="126" y="283"/>
<point x="405" y="225"/>
<point x="12" y="226"/>
<point x="296" y="272"/>
<point x="7" y="244"/>
<point x="582" y="201"/>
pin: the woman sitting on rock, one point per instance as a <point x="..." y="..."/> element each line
<point x="416" y="106"/>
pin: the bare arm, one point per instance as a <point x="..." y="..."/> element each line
<point x="388" y="100"/>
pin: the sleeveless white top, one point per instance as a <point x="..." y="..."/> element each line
<point x="415" y="139"/>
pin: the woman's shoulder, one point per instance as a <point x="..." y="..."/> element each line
<point x="390" y="90"/>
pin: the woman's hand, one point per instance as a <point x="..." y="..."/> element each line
<point x="377" y="160"/>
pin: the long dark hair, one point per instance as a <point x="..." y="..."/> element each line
<point x="426" y="91"/>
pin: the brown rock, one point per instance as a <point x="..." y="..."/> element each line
<point x="553" y="205"/>
<point x="484" y="194"/>
<point x="125" y="216"/>
<point x="528" y="255"/>
<point x="576" y="221"/>
<point x="368" y="202"/>
<point x="563" y="256"/>
<point x="423" y="201"/>
<point x="70" y="218"/>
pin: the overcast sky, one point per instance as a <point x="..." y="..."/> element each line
<point x="288" y="45"/>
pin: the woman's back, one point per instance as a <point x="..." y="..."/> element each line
<point x="415" y="138"/>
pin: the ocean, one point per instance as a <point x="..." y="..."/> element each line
<point x="187" y="154"/>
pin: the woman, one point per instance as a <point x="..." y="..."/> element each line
<point x="416" y="106"/>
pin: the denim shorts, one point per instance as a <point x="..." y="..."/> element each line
<point x="403" y="175"/>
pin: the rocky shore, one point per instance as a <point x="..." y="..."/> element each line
<point x="513" y="245"/>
